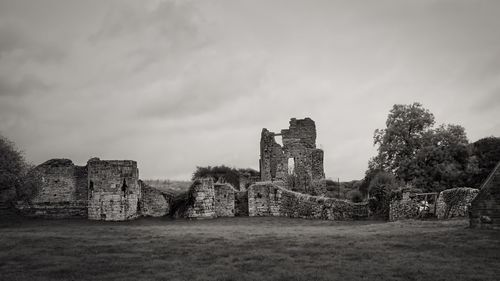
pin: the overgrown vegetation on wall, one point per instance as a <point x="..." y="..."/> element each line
<point x="224" y="174"/>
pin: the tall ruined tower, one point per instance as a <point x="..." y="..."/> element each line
<point x="298" y="162"/>
<point x="114" y="191"/>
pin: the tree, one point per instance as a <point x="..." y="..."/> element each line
<point x="429" y="158"/>
<point x="406" y="126"/>
<point x="12" y="166"/>
<point x="443" y="160"/>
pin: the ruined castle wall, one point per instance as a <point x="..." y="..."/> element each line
<point x="203" y="196"/>
<point x="224" y="200"/>
<point x="62" y="193"/>
<point x="154" y="203"/>
<point x="306" y="173"/>
<point x="269" y="199"/>
<point x="114" y="191"/>
<point x="56" y="210"/>
<point x="61" y="181"/>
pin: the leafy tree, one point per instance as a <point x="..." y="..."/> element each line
<point x="12" y="167"/>
<point x="403" y="136"/>
<point x="429" y="158"/>
<point x="18" y="180"/>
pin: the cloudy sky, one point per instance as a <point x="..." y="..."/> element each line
<point x="180" y="84"/>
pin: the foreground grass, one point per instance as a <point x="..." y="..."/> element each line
<point x="246" y="249"/>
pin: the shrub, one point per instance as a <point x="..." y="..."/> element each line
<point x="356" y="196"/>
<point x="181" y="202"/>
<point x="380" y="189"/>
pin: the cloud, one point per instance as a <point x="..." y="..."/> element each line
<point x="176" y="84"/>
<point x="28" y="84"/>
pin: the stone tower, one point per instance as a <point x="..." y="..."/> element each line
<point x="298" y="162"/>
<point x="114" y="191"/>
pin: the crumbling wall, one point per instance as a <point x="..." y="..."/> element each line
<point x="298" y="162"/>
<point x="62" y="192"/>
<point x="153" y="202"/>
<point x="61" y="181"/>
<point x="203" y="199"/>
<point x="270" y="199"/>
<point x="455" y="202"/>
<point x="114" y="191"/>
<point x="224" y="200"/>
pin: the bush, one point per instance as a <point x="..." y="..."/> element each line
<point x="356" y="196"/>
<point x="181" y="202"/>
<point x="380" y="189"/>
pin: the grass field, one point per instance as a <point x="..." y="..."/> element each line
<point x="246" y="249"/>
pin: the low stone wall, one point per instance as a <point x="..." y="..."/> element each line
<point x="153" y="202"/>
<point x="53" y="210"/>
<point x="224" y="200"/>
<point x="270" y="199"/>
<point x="405" y="208"/>
<point x="455" y="202"/>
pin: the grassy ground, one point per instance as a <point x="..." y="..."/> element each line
<point x="246" y="249"/>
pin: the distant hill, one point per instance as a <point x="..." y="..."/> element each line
<point x="169" y="186"/>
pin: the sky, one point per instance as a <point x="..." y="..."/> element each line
<point x="180" y="84"/>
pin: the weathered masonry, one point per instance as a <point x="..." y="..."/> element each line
<point x="211" y="200"/>
<point x="485" y="208"/>
<point x="271" y="199"/>
<point x="298" y="162"/>
<point x="114" y="191"/>
<point x="63" y="191"/>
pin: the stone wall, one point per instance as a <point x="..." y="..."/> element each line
<point x="203" y="199"/>
<point x="62" y="192"/>
<point x="61" y="181"/>
<point x="406" y="207"/>
<point x="224" y="200"/>
<point x="270" y="199"/>
<point x="153" y="202"/>
<point x="455" y="202"/>
<point x="298" y="158"/>
<point x="56" y="210"/>
<point x="114" y="191"/>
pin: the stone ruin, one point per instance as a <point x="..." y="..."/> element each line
<point x="485" y="208"/>
<point x="63" y="191"/>
<point x="114" y="191"/>
<point x="273" y="199"/>
<point x="101" y="190"/>
<point x="298" y="162"/>
<point x="290" y="178"/>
